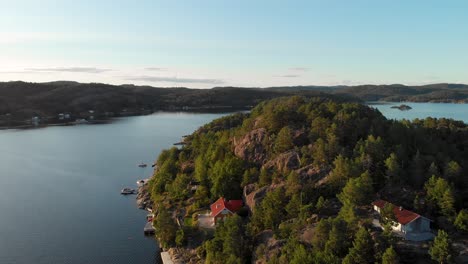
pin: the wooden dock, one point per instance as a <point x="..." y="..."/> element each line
<point x="149" y="228"/>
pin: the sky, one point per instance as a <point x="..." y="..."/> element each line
<point x="203" y="44"/>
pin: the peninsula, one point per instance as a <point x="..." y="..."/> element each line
<point x="313" y="180"/>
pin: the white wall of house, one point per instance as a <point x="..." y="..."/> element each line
<point x="376" y="208"/>
<point x="398" y="227"/>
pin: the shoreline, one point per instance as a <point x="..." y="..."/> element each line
<point x="112" y="119"/>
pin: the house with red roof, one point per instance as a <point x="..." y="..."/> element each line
<point x="410" y="225"/>
<point x="223" y="208"/>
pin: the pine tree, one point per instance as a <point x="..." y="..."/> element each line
<point x="390" y="256"/>
<point x="440" y="249"/>
<point x="283" y="140"/>
<point x="446" y="204"/>
<point x="393" y="172"/>
<point x="337" y="242"/>
<point x="363" y="249"/>
<point x="357" y="191"/>
<point x="461" y="222"/>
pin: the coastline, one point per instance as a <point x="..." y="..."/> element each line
<point x="143" y="201"/>
<point x="108" y="120"/>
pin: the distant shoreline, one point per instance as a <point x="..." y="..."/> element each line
<point x="112" y="119"/>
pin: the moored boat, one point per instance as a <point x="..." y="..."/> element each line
<point x="127" y="191"/>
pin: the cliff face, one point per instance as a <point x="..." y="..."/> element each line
<point x="250" y="147"/>
<point x="284" y="162"/>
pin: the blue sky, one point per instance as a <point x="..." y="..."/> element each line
<point x="242" y="43"/>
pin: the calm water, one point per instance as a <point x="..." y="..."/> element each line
<point x="60" y="200"/>
<point x="423" y="110"/>
<point x="60" y="196"/>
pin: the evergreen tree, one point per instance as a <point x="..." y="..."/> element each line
<point x="166" y="227"/>
<point x="283" y="140"/>
<point x="337" y="242"/>
<point x="321" y="234"/>
<point x="293" y="184"/>
<point x="357" y="191"/>
<point x="393" y="172"/>
<point x="343" y="169"/>
<point x="390" y="256"/>
<point x="440" y="194"/>
<point x="294" y="206"/>
<point x="363" y="249"/>
<point x="387" y="214"/>
<point x="300" y="256"/>
<point x="452" y="171"/>
<point x="441" y="248"/>
<point x="447" y="204"/>
<point x="348" y="214"/>
<point x="461" y="222"/>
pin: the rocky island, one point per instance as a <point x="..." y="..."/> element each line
<point x="308" y="171"/>
<point x="402" y="107"/>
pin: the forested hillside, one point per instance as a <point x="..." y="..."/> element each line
<point x="19" y="101"/>
<point x="308" y="170"/>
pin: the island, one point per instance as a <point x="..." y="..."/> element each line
<point x="313" y="180"/>
<point x="402" y="107"/>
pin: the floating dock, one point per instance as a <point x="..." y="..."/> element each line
<point x="149" y="228"/>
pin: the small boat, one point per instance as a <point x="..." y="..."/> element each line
<point x="142" y="165"/>
<point x="127" y="191"/>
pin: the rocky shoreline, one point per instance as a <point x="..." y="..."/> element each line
<point x="143" y="201"/>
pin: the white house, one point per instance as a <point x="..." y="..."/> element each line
<point x="409" y="225"/>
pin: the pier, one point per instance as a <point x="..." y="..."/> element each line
<point x="149" y="228"/>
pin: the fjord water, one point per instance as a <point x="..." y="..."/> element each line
<point x="423" y="110"/>
<point x="60" y="198"/>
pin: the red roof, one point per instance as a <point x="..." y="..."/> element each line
<point x="403" y="216"/>
<point x="221" y="204"/>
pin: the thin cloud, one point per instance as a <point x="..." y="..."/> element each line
<point x="174" y="80"/>
<point x="155" y="69"/>
<point x="299" y="69"/>
<point x="288" y="76"/>
<point x="70" y="69"/>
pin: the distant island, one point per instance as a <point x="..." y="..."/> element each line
<point x="64" y="102"/>
<point x="402" y="107"/>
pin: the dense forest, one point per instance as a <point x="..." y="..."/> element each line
<point x="308" y="170"/>
<point x="19" y="101"/>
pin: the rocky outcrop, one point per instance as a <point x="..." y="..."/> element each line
<point x="267" y="246"/>
<point x="253" y="196"/>
<point x="250" y="147"/>
<point x="284" y="162"/>
<point x="311" y="173"/>
<point x="143" y="198"/>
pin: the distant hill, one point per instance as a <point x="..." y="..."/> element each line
<point x="22" y="100"/>
<point x="442" y="92"/>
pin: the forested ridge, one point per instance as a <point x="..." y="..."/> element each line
<point x="19" y="101"/>
<point x="313" y="166"/>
